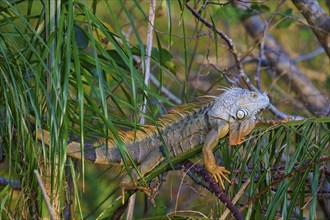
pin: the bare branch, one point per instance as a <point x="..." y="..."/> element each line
<point x="147" y="74"/>
<point x="249" y="84"/>
<point x="308" y="56"/>
<point x="308" y="94"/>
<point x="227" y="39"/>
<point x="166" y="91"/>
<point x="319" y="21"/>
<point x="44" y="194"/>
<point x="241" y="74"/>
<point x="207" y="181"/>
<point x="236" y="198"/>
<point x="257" y="75"/>
<point x="281" y="178"/>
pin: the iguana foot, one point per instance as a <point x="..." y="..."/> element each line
<point x="218" y="173"/>
<point x="129" y="187"/>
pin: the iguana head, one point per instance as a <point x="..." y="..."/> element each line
<point x="239" y="107"/>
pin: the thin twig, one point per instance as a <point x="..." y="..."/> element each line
<point x="318" y="20"/>
<point x="186" y="37"/>
<point x="236" y="198"/>
<point x="147" y="74"/>
<point x="149" y="40"/>
<point x="185" y="211"/>
<point x="180" y="190"/>
<point x="304" y="167"/>
<point x="207" y="181"/>
<point x="308" y="56"/>
<point x="262" y="43"/>
<point x="228" y="40"/>
<point x="8" y="213"/>
<point x="164" y="90"/>
<point x="262" y="46"/>
<point x="280" y="61"/>
<point x="241" y="73"/>
<point x="249" y="84"/>
<point x="44" y="194"/>
<point x="226" y="75"/>
<point x="282" y="115"/>
<point x="257" y="76"/>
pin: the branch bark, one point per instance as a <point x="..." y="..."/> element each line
<point x="202" y="177"/>
<point x="279" y="60"/>
<point x="228" y="40"/>
<point x="241" y="74"/>
<point x="319" y="21"/>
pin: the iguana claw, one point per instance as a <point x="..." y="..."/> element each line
<point x="218" y="173"/>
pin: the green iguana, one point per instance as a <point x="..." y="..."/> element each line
<point x="234" y="113"/>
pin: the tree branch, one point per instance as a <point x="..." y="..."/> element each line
<point x="202" y="177"/>
<point x="227" y="39"/>
<point x="306" y="92"/>
<point x="280" y="179"/>
<point x="319" y="21"/>
<point x="147" y="73"/>
<point x="241" y="74"/>
<point x="44" y="194"/>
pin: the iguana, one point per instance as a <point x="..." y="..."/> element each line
<point x="233" y="112"/>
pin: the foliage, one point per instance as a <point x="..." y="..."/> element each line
<point x="78" y="69"/>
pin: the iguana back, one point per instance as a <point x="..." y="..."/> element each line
<point x="207" y="121"/>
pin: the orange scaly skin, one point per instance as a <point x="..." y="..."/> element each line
<point x="233" y="113"/>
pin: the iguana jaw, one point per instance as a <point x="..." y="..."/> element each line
<point x="257" y="114"/>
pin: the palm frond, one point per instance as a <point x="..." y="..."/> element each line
<point x="75" y="69"/>
<point x="283" y="163"/>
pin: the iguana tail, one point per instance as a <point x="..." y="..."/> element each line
<point x="98" y="152"/>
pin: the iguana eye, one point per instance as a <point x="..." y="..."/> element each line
<point x="254" y="95"/>
<point x="240" y="114"/>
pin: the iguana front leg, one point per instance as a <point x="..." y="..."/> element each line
<point x="210" y="142"/>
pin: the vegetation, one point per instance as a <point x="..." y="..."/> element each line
<point x="89" y="69"/>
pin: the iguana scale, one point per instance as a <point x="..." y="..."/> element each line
<point x="233" y="112"/>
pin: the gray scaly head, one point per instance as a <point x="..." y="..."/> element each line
<point x="239" y="107"/>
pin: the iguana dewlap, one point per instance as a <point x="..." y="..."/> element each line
<point x="233" y="112"/>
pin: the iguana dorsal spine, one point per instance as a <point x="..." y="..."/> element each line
<point x="233" y="112"/>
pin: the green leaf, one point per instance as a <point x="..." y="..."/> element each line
<point x="4" y="194"/>
<point x="288" y="12"/>
<point x="80" y="37"/>
<point x="260" y="7"/>
<point x="248" y="13"/>
<point x="162" y="56"/>
<point x="285" y="24"/>
<point x="255" y="9"/>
